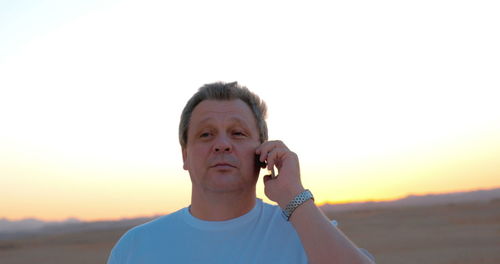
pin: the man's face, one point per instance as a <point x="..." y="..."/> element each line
<point x="220" y="150"/>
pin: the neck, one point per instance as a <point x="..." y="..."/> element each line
<point x="223" y="206"/>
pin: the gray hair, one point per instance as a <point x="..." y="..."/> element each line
<point x="224" y="92"/>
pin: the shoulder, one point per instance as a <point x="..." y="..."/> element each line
<point x="157" y="227"/>
<point x="160" y="222"/>
<point x="136" y="237"/>
<point x="272" y="218"/>
<point x="274" y="213"/>
<point x="270" y="208"/>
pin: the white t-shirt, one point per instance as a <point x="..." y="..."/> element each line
<point x="260" y="236"/>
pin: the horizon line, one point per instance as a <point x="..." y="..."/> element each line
<point x="82" y="220"/>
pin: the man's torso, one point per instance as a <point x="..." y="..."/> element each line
<point x="260" y="236"/>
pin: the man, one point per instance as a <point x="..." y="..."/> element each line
<point x="223" y="136"/>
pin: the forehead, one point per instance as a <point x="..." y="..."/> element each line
<point x="215" y="110"/>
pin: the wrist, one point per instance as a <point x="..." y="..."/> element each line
<point x="296" y="202"/>
<point x="289" y="196"/>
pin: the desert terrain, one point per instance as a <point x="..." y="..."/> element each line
<point x="451" y="233"/>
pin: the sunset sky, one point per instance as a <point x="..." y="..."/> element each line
<point x="380" y="99"/>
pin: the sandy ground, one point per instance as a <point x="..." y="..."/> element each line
<point x="455" y="233"/>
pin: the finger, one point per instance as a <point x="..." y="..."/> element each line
<point x="268" y="146"/>
<point x="259" y="149"/>
<point x="264" y="151"/>
<point x="273" y="175"/>
<point x="274" y="157"/>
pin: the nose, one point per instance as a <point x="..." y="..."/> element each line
<point x="222" y="145"/>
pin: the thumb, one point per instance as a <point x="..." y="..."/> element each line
<point x="267" y="178"/>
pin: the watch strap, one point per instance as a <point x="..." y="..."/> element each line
<point x="296" y="202"/>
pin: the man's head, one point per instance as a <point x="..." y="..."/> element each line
<point x="220" y="91"/>
<point x="221" y="127"/>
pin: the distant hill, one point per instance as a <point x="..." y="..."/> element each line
<point x="421" y="200"/>
<point x="25" y="224"/>
<point x="31" y="224"/>
<point x="34" y="227"/>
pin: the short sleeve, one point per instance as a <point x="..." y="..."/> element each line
<point x="368" y="254"/>
<point x="121" y="250"/>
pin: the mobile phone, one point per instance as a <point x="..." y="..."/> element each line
<point x="263" y="165"/>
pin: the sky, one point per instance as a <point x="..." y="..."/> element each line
<point x="380" y="99"/>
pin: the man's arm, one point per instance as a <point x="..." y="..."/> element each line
<point x="322" y="241"/>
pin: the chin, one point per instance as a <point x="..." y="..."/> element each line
<point x="229" y="186"/>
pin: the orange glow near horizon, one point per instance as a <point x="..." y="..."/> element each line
<point x="126" y="191"/>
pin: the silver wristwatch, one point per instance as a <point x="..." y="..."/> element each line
<point x="296" y="202"/>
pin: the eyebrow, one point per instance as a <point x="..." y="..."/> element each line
<point x="238" y="121"/>
<point x="233" y="119"/>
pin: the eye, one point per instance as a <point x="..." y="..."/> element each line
<point x="205" y="134"/>
<point x="238" y="133"/>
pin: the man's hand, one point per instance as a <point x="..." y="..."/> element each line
<point x="322" y="241"/>
<point x="286" y="185"/>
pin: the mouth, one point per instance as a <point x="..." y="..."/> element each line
<point x="223" y="165"/>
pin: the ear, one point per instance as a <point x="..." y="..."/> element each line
<point x="184" y="159"/>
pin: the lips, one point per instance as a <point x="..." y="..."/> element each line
<point x="223" y="162"/>
<point x="223" y="165"/>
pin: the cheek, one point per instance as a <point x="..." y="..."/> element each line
<point x="197" y="155"/>
<point x="250" y="157"/>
